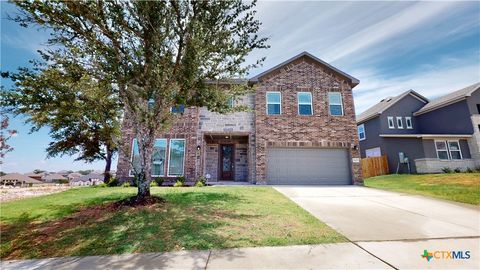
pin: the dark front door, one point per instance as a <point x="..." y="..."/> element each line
<point x="226" y="162"/>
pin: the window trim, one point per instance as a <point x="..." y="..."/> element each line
<point x="164" y="163"/>
<point x="408" y="119"/>
<point x="341" y="103"/>
<point x="364" y="133"/>
<point x="448" y="149"/>
<point x="393" y="122"/>
<point x="169" y="156"/>
<point x="266" y="101"/>
<point x="401" y="122"/>
<point x="310" y="103"/>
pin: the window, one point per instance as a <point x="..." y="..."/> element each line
<point x="135" y="157"/>
<point x="399" y="122"/>
<point x="176" y="157"/>
<point x="448" y="150"/>
<point x="408" y="122"/>
<point x="391" y="124"/>
<point x="305" y="103"/>
<point x="231" y="102"/>
<point x="178" y="109"/>
<point x="158" y="157"/>
<point x="361" y="132"/>
<point x="274" y="103"/>
<point x="373" y="152"/>
<point x="335" y="103"/>
<point x="478" y="108"/>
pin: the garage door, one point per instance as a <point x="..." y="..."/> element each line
<point x="308" y="166"/>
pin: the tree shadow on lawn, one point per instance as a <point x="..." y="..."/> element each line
<point x="187" y="220"/>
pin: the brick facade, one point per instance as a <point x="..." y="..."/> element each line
<point x="252" y="132"/>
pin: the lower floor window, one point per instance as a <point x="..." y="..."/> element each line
<point x="448" y="150"/>
<point x="176" y="157"/>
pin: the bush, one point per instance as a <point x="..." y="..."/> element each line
<point x="446" y="170"/>
<point x="178" y="184"/>
<point x="159" y="181"/>
<point x="126" y="184"/>
<point x="153" y="184"/>
<point x="199" y="184"/>
<point x="468" y="170"/>
<point x="102" y="185"/>
<point x="63" y="181"/>
<point x="477" y="169"/>
<point x="457" y="170"/>
<point x="181" y="179"/>
<point x="113" y="182"/>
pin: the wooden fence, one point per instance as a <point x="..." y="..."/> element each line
<point x="374" y="166"/>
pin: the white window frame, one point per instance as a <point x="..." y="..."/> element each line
<point x="266" y="101"/>
<point x="341" y="103"/>
<point x="165" y="161"/>
<point x="364" y="133"/>
<point x="399" y="118"/>
<point x="170" y="153"/>
<point x="310" y="103"/>
<point x="448" y="149"/>
<point x="408" y="122"/>
<point x="374" y="148"/>
<point x="130" y="165"/>
<point x="393" y="122"/>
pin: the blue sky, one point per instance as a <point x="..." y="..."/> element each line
<point x="431" y="47"/>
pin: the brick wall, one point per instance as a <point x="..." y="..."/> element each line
<point x="306" y="75"/>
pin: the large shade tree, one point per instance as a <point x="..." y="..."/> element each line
<point x="158" y="54"/>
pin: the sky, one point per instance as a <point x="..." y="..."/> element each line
<point x="430" y="47"/>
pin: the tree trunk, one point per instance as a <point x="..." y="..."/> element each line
<point x="144" y="177"/>
<point x="108" y="165"/>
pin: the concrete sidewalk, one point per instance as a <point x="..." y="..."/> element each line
<point x="327" y="256"/>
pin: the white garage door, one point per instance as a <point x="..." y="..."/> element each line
<point x="308" y="166"/>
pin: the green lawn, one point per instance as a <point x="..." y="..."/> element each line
<point x="459" y="187"/>
<point x="81" y="222"/>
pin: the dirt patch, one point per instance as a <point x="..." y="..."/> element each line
<point x="11" y="194"/>
<point x="135" y="202"/>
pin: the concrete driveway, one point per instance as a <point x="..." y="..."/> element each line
<point x="395" y="227"/>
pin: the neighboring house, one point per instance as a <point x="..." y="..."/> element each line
<point x="54" y="178"/>
<point x="442" y="133"/>
<point x="17" y="179"/>
<point x="64" y="173"/>
<point x="74" y="175"/>
<point x="36" y="176"/>
<point x="300" y="130"/>
<point x="90" y="179"/>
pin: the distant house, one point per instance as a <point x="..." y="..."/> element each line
<point x="36" y="176"/>
<point x="74" y="175"/>
<point x="17" y="179"/>
<point x="54" y="178"/>
<point x="442" y="133"/>
<point x="64" y="173"/>
<point x="90" y="179"/>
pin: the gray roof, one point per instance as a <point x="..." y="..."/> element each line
<point x="449" y="98"/>
<point x="384" y="104"/>
<point x="354" y="81"/>
<point x="88" y="177"/>
<point x="19" y="177"/>
<point x="54" y="176"/>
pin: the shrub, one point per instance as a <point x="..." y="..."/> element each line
<point x="113" y="182"/>
<point x="181" y="179"/>
<point x="159" y="181"/>
<point x="126" y="184"/>
<point x="468" y="170"/>
<point x="153" y="184"/>
<point x="102" y="185"/>
<point x="457" y="170"/>
<point x="178" y="184"/>
<point x="199" y="184"/>
<point x="63" y="181"/>
<point x="446" y="170"/>
<point x="477" y="169"/>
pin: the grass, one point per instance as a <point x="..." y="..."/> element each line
<point x="81" y="222"/>
<point x="459" y="187"/>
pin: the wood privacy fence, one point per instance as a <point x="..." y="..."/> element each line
<point x="374" y="166"/>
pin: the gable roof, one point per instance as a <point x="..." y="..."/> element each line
<point x="88" y="177"/>
<point x="20" y="177"/>
<point x="354" y="81"/>
<point x="386" y="103"/>
<point x="448" y="99"/>
<point x="54" y="176"/>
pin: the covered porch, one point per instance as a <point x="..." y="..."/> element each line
<point x="226" y="157"/>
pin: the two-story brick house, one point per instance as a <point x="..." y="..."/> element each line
<point x="301" y="129"/>
<point x="437" y="134"/>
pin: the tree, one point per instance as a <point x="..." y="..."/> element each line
<point x="81" y="112"/>
<point x="5" y="135"/>
<point x="158" y="54"/>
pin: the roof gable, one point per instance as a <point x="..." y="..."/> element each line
<point x="386" y="103"/>
<point x="352" y="80"/>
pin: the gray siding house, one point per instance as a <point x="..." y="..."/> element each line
<point x="442" y="133"/>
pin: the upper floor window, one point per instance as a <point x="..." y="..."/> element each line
<point x="335" y="103"/>
<point x="408" y="122"/>
<point x="305" y="103"/>
<point x="176" y="157"/>
<point x="178" y="109"/>
<point x="399" y="122"/>
<point x="391" y="123"/>
<point x="448" y="150"/>
<point x="158" y="157"/>
<point x="361" y="132"/>
<point x="274" y="103"/>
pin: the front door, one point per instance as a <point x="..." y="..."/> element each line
<point x="226" y="162"/>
